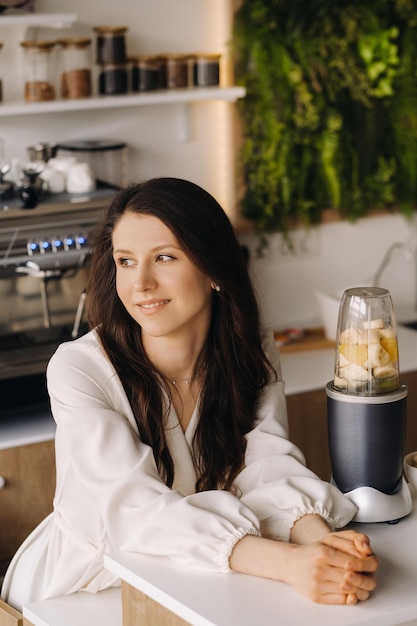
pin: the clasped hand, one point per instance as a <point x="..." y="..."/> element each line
<point x="340" y="568"/>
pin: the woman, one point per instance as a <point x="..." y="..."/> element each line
<point x="171" y="422"/>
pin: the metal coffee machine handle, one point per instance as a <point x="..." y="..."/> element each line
<point x="32" y="269"/>
<point x="79" y="314"/>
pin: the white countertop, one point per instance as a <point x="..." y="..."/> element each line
<point x="221" y="599"/>
<point x="77" y="609"/>
<point x="312" y="369"/>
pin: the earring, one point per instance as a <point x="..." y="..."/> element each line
<point x="215" y="286"/>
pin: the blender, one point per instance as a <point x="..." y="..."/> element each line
<point x="367" y="408"/>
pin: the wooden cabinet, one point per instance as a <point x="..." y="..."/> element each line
<point x="307" y="416"/>
<point x="26" y="497"/>
<point x="411" y="380"/>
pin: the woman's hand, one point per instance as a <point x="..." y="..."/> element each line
<point x="327" y="567"/>
<point x="349" y="541"/>
<point x="357" y="545"/>
<point x="336" y="570"/>
<point x="356" y="583"/>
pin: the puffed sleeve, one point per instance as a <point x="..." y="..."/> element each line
<point x="108" y="487"/>
<point x="275" y="482"/>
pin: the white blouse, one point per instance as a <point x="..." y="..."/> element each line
<point x="109" y="495"/>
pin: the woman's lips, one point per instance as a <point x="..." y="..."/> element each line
<point x="152" y="307"/>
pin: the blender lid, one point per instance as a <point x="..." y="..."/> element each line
<point x="363" y="398"/>
<point x="367" y="292"/>
<point x="92" y="145"/>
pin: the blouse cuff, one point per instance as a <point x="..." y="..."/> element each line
<point x="316" y="509"/>
<point x="230" y="543"/>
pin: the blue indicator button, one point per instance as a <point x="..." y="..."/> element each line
<point x="33" y="247"/>
<point x="69" y="242"/>
<point x="46" y="246"/>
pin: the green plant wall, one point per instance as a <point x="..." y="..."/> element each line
<point x="330" y="116"/>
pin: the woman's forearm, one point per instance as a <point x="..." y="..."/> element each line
<point x="261" y="557"/>
<point x="308" y="529"/>
<point x="330" y="568"/>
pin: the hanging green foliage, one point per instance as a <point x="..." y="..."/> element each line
<point x="330" y="115"/>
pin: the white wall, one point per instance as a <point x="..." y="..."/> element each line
<point x="336" y="256"/>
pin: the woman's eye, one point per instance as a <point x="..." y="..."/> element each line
<point x="164" y="257"/>
<point x="125" y="262"/>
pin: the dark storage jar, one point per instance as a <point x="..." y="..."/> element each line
<point x="113" y="79"/>
<point x="75" y="67"/>
<point x="161" y="63"/>
<point x="1" y="84"/>
<point x="111" y="44"/>
<point x="145" y="73"/>
<point x="179" y="71"/>
<point x="206" y="70"/>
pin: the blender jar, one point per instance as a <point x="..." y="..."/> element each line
<point x="367" y="347"/>
<point x="39" y="71"/>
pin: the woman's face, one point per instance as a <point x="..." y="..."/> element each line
<point x="157" y="283"/>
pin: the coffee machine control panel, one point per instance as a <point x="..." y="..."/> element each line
<point x="54" y="245"/>
<point x="62" y="245"/>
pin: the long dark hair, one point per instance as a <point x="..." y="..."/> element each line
<point x="236" y="367"/>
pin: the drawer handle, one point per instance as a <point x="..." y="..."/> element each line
<point x="2" y="482"/>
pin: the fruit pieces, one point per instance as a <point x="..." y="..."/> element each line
<point x="367" y="359"/>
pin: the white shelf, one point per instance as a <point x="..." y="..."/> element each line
<point x="227" y="94"/>
<point x="54" y="20"/>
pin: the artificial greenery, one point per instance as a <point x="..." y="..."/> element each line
<point x="330" y="115"/>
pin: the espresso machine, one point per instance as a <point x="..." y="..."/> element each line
<point x="44" y="260"/>
<point x="367" y="408"/>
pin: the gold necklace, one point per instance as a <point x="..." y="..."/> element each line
<point x="187" y="380"/>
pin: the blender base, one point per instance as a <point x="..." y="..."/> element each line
<point x="376" y="506"/>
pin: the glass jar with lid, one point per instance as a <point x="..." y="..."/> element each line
<point x="111" y="44"/>
<point x="161" y="62"/>
<point x="75" y="67"/>
<point x="1" y="83"/>
<point x="206" y="70"/>
<point x="145" y="73"/>
<point x="113" y="79"/>
<point x="39" y="70"/>
<point x="156" y="63"/>
<point x="179" y="70"/>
